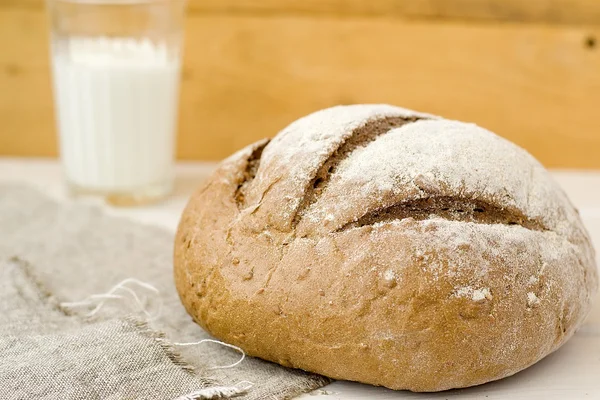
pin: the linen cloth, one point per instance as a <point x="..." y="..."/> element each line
<point x="51" y="253"/>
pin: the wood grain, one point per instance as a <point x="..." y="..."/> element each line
<point x="245" y="77"/>
<point x="544" y="11"/>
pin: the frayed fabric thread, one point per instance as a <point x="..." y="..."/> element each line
<point x="120" y="291"/>
<point x="236" y="348"/>
<point x="98" y="301"/>
<point x="218" y="392"/>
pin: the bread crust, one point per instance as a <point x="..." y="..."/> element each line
<point x="428" y="255"/>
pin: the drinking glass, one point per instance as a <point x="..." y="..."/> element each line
<point x="116" y="75"/>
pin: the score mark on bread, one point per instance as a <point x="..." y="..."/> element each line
<point x="382" y="245"/>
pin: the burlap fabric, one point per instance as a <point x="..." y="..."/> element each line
<point x="52" y="253"/>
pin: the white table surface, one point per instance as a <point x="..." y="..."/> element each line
<point x="573" y="372"/>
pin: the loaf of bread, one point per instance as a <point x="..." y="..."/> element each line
<point x="381" y="245"/>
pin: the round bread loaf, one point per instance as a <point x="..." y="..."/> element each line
<point x="381" y="245"/>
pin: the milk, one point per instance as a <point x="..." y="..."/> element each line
<point x="116" y="105"/>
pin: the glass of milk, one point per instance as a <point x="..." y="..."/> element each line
<point x="116" y="71"/>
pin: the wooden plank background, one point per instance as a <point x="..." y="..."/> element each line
<point x="529" y="71"/>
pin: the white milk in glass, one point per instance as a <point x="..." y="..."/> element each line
<point x="116" y="102"/>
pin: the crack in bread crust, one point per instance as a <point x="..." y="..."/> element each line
<point x="449" y="208"/>
<point x="249" y="173"/>
<point x="360" y="137"/>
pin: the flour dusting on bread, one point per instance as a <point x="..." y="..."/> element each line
<point x="382" y="245"/>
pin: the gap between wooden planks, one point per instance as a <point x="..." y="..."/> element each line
<point x="245" y="77"/>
